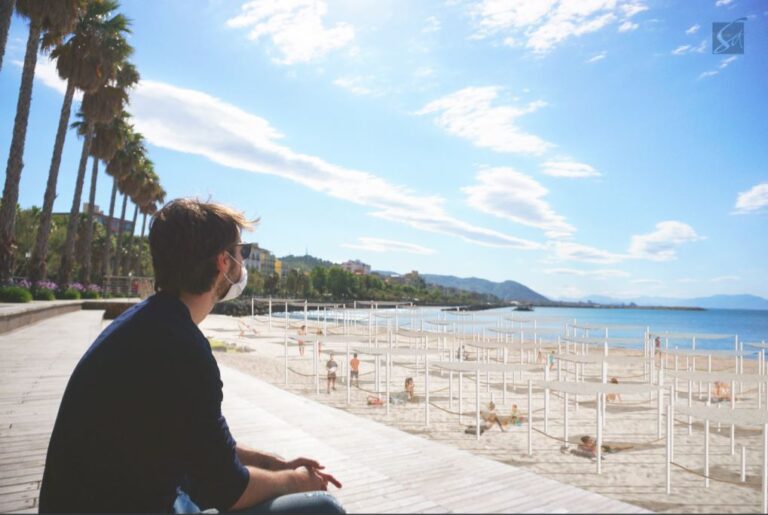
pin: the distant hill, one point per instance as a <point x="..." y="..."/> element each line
<point x="711" y="302"/>
<point x="507" y="290"/>
<point x="304" y="263"/>
<point x="384" y="273"/>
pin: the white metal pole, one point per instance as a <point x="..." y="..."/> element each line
<point x="669" y="449"/>
<point x="477" y="404"/>
<point x="706" y="453"/>
<point x="349" y="378"/>
<point x="733" y="427"/>
<point x="743" y="464"/>
<point x="565" y="418"/>
<point x="426" y="388"/>
<point x="389" y="361"/>
<point x="599" y="433"/>
<point x="530" y="418"/>
<point x="765" y="468"/>
<point x="461" y="397"/>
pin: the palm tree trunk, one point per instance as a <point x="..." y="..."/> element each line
<point x="16" y="157"/>
<point x="37" y="265"/>
<point x="85" y="276"/>
<point x="118" y="252"/>
<point x="129" y="258"/>
<point x="106" y="261"/>
<point x="68" y="256"/>
<point x="6" y="12"/>
<point x="141" y="245"/>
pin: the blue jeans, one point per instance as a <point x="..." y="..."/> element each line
<point x="308" y="503"/>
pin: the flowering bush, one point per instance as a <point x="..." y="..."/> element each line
<point x="92" y="291"/>
<point x="22" y="283"/>
<point x="78" y="287"/>
<point x="44" y="290"/>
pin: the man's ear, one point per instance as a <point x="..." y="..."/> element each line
<point x="222" y="262"/>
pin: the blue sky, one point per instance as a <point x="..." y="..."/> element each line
<point x="577" y="146"/>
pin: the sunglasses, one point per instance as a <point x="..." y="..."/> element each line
<point x="244" y="249"/>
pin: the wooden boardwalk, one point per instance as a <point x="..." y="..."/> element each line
<point x="382" y="469"/>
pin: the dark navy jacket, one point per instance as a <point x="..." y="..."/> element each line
<point x="141" y="416"/>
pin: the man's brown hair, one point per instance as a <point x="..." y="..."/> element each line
<point x="185" y="237"/>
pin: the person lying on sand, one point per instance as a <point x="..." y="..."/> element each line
<point x="588" y="447"/>
<point x="613" y="396"/>
<point x="721" y="391"/>
<point x="515" y="418"/>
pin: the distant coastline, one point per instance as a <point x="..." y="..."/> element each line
<point x="584" y="305"/>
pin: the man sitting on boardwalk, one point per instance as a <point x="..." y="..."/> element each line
<point x="140" y="427"/>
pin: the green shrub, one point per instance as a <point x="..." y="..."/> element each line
<point x="68" y="294"/>
<point x="43" y="294"/>
<point x="233" y="308"/>
<point x="91" y="295"/>
<point x="15" y="294"/>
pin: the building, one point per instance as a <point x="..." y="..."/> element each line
<point x="105" y="220"/>
<point x="356" y="267"/>
<point x="263" y="261"/>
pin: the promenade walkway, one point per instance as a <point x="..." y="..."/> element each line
<point x="382" y="469"/>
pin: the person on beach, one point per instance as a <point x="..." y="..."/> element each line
<point x="610" y="397"/>
<point x="301" y="332"/>
<point x="551" y="360"/>
<point x="331" y="366"/>
<point x="721" y="391"/>
<point x="354" y="369"/>
<point x="140" y="426"/>
<point x="319" y="332"/>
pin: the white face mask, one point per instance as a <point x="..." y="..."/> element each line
<point x="236" y="288"/>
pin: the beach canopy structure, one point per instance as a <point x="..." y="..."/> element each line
<point x="740" y="417"/>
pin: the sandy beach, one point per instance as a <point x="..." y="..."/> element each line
<point x="636" y="475"/>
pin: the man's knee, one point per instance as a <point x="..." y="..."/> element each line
<point x="326" y="504"/>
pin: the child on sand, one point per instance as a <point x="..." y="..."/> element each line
<point x="331" y="366"/>
<point x="354" y="369"/>
<point x="301" y="332"/>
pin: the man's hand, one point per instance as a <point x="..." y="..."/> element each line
<point x="310" y="479"/>
<point x="315" y="467"/>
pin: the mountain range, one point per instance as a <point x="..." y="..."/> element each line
<point x="507" y="290"/>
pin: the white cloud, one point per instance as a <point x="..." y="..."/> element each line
<point x="662" y="243"/>
<point x="382" y="245"/>
<point x="194" y="122"/>
<point x="570" y="251"/>
<point x="47" y="74"/>
<point x="711" y="73"/>
<point x="543" y="24"/>
<point x="693" y="29"/>
<point x="723" y="65"/>
<point x="568" y="169"/>
<point x="753" y="200"/>
<point x="355" y="85"/>
<point x="726" y="279"/>
<point x="597" y="57"/>
<point x="604" y="273"/>
<point x="517" y="197"/>
<point x="689" y="49"/>
<point x="721" y="3"/>
<point x="628" y="26"/>
<point x="432" y="24"/>
<point x="469" y="114"/>
<point x="295" y="28"/>
<point x="652" y="282"/>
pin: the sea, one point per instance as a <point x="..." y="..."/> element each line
<point x="712" y="328"/>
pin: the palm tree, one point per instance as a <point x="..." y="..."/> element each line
<point x="124" y="161"/>
<point x="148" y="193"/>
<point x="6" y="12"/>
<point x="86" y="61"/>
<point x="99" y="106"/>
<point x="107" y="140"/>
<point x="52" y="18"/>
